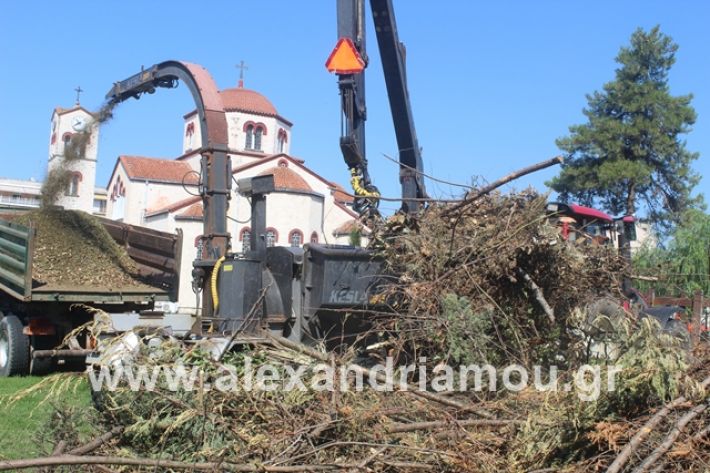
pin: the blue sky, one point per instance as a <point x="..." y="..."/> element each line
<point x="492" y="84"/>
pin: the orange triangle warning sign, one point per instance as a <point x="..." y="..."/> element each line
<point x="345" y="59"/>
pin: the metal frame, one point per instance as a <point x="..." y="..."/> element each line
<point x="351" y="19"/>
<point x="216" y="166"/>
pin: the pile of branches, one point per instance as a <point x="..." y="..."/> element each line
<point x="655" y="418"/>
<point x="493" y="281"/>
<point x="489" y="282"/>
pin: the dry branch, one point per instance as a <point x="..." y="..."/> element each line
<point x="646" y="429"/>
<point x="411" y="427"/>
<point x="539" y="296"/>
<point x="65" y="460"/>
<point x="670" y="438"/>
<point x="504" y="180"/>
<point x="59" y="448"/>
<point x="412" y="390"/>
<point x="96" y="443"/>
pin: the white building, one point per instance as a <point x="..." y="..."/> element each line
<point x="163" y="193"/>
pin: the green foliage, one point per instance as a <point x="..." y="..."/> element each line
<point x="355" y="238"/>
<point x="683" y="266"/>
<point x="651" y="370"/>
<point x="629" y="152"/>
<point x="467" y="332"/>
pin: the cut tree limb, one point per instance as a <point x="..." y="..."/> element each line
<point x="96" y="443"/>
<point x="646" y="429"/>
<point x="504" y="180"/>
<point x="65" y="460"/>
<point x="670" y="438"/>
<point x="59" y="448"/>
<point x="539" y="296"/>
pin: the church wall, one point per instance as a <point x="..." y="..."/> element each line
<point x="237" y="136"/>
<point x="191" y="133"/>
<point x="156" y="195"/>
<point x="116" y="203"/>
<point x="191" y="229"/>
<point x="287" y="211"/>
<point x="335" y="216"/>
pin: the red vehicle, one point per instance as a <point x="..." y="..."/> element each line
<point x="586" y="225"/>
<point x="579" y="223"/>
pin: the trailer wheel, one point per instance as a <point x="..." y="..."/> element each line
<point x="14" y="347"/>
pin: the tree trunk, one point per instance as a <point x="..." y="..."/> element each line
<point x="631" y="198"/>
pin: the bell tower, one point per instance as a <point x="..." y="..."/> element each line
<point x="73" y="149"/>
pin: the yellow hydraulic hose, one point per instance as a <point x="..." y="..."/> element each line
<point x="356" y="183"/>
<point x="213" y="283"/>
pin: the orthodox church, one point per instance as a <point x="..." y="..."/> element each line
<point x="163" y="193"/>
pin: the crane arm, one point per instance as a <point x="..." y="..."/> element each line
<point x="351" y="82"/>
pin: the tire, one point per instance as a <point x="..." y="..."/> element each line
<point x="602" y="328"/>
<point x="14" y="348"/>
<point x="679" y="330"/>
<point x="604" y="316"/>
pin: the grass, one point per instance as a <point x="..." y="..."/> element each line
<point x="22" y="421"/>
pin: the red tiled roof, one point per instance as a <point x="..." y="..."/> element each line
<point x="245" y="100"/>
<point x="62" y="111"/>
<point x="285" y="178"/>
<point x="340" y="195"/>
<point x="174" y="206"/>
<point x="290" y="160"/>
<point x="195" y="211"/>
<point x="159" y="170"/>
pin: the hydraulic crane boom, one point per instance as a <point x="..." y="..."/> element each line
<point x="351" y="19"/>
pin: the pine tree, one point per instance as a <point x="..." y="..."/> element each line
<point x="629" y="155"/>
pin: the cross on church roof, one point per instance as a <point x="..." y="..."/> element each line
<point x="78" y="90"/>
<point x="242" y="67"/>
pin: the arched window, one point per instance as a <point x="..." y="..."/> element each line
<point x="295" y="238"/>
<point x="73" y="186"/>
<point x="66" y="139"/>
<point x="257" y="138"/>
<point x="245" y="238"/>
<point x="314" y="237"/>
<point x="250" y="137"/>
<point x="254" y="132"/>
<point x="272" y="236"/>
<point x="281" y="140"/>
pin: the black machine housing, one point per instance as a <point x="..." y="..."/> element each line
<point x="310" y="294"/>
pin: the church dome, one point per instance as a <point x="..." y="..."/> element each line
<point x="287" y="179"/>
<point x="240" y="99"/>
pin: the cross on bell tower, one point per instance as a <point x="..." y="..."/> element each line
<point x="78" y="90"/>
<point x="242" y="67"/>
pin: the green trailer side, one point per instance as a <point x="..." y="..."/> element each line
<point x="35" y="317"/>
<point x="156" y="254"/>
